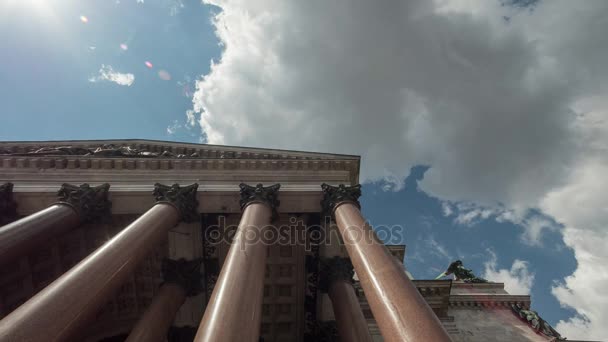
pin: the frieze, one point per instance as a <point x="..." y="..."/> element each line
<point x="91" y="203"/>
<point x="147" y="151"/>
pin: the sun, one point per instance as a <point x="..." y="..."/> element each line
<point x="35" y="6"/>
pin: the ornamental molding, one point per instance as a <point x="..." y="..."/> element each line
<point x="91" y="203"/>
<point x="184" y="273"/>
<point x="157" y="149"/>
<point x="183" y="198"/>
<point x="135" y="156"/>
<point x="260" y="194"/>
<point x="334" y="195"/>
<point x="491" y="301"/>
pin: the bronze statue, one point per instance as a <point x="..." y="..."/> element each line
<point x="461" y="273"/>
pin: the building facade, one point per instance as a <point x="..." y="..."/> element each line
<point x="137" y="240"/>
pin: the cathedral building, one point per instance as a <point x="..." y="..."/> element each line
<point x="139" y="240"/>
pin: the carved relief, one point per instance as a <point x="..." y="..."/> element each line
<point x="536" y="322"/>
<point x="259" y="193"/>
<point x="334" y="195"/>
<point x="183" y="198"/>
<point x="91" y="203"/>
<point x="101" y="151"/>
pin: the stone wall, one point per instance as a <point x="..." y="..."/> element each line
<point x="489" y="324"/>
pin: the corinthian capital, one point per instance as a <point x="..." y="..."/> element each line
<point x="8" y="207"/>
<point x="335" y="269"/>
<point x="260" y="194"/>
<point x="91" y="203"/>
<point x="334" y="195"/>
<point x="184" y="273"/>
<point x="182" y="198"/>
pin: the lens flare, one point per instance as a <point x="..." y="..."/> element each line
<point x="148" y="64"/>
<point x="84" y="19"/>
<point x="124" y="47"/>
<point x="164" y="75"/>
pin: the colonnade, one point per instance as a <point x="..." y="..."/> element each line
<point x="63" y="309"/>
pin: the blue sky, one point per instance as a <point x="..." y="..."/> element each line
<point x="438" y="88"/>
<point x="45" y="83"/>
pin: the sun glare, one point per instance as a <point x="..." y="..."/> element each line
<point x="37" y="8"/>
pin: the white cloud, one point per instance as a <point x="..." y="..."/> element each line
<point x="107" y="73"/>
<point x="173" y="127"/>
<point x="518" y="280"/>
<point x="190" y="118"/>
<point x="495" y="107"/>
<point x="438" y="249"/>
<point x="446" y="209"/>
<point x="581" y="206"/>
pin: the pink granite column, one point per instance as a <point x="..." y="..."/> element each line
<point x="234" y="310"/>
<point x="8" y="207"/>
<point x="61" y="310"/>
<point x="337" y="280"/>
<point x="400" y="311"/>
<point x="181" y="279"/>
<point x="76" y="204"/>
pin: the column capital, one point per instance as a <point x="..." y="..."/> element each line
<point x="91" y="203"/>
<point x="334" y="195"/>
<point x="335" y="269"/>
<point x="260" y="194"/>
<point x="185" y="273"/>
<point x="8" y="206"/>
<point x="182" y="198"/>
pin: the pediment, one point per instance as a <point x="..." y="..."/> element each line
<point x="129" y="148"/>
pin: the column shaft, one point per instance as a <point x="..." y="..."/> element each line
<point x="21" y="236"/>
<point x="234" y="310"/>
<point x="400" y="311"/>
<point x="60" y="310"/>
<point x="156" y="321"/>
<point x="350" y="321"/>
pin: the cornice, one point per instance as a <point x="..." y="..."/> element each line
<point x="125" y="163"/>
<point x="159" y="146"/>
<point x="493" y="300"/>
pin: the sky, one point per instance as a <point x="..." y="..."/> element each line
<point x="481" y="123"/>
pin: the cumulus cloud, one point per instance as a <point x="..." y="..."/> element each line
<point x="518" y="279"/>
<point x="494" y="98"/>
<point x="107" y="73"/>
<point x="581" y="205"/>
